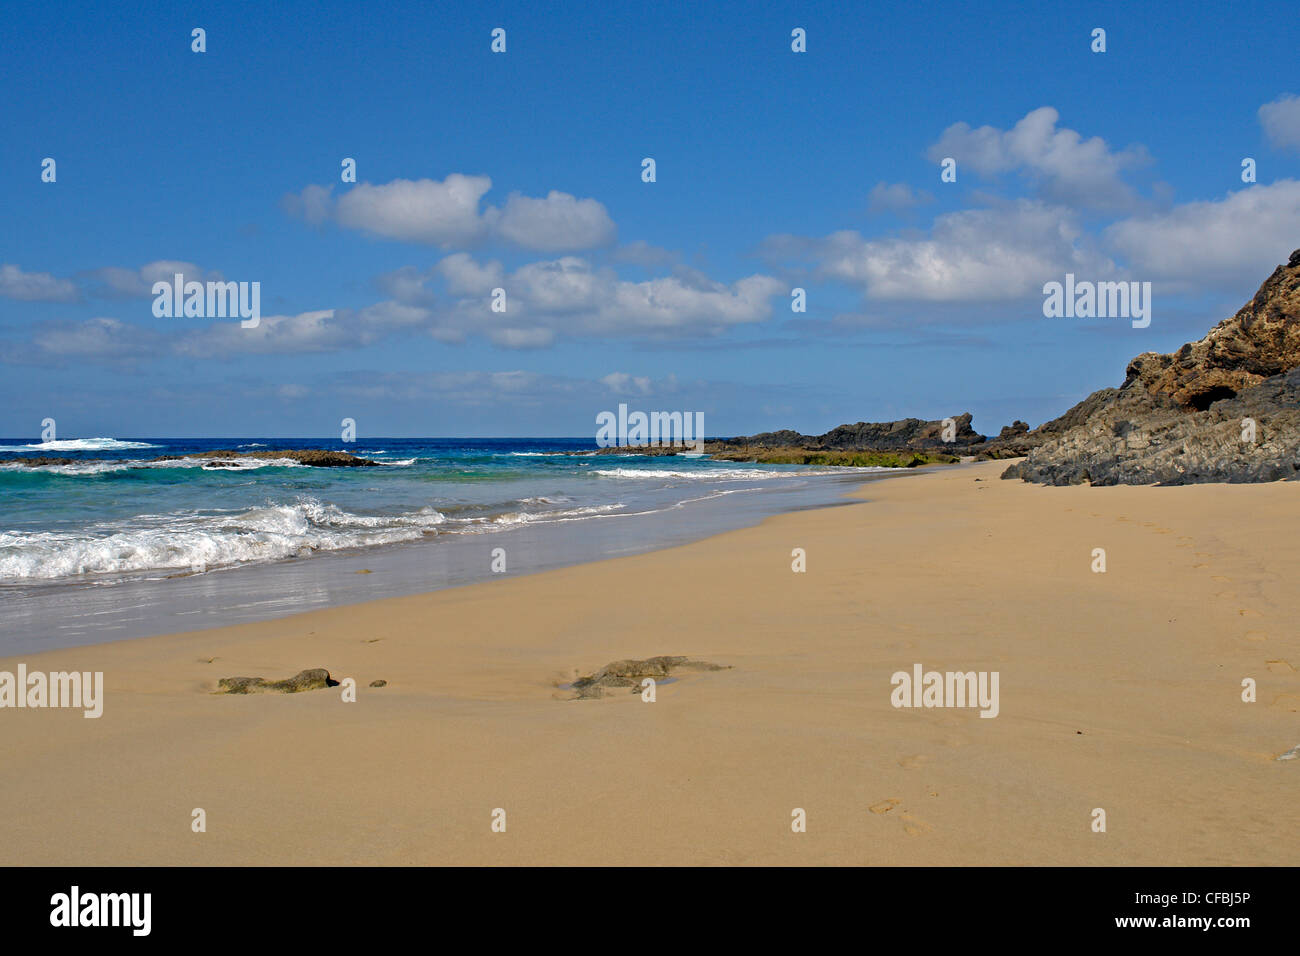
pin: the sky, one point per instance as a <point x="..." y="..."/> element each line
<point x="522" y="170"/>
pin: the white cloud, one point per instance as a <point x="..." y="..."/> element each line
<point x="1066" y="167"/>
<point x="440" y="213"/>
<point x="465" y="276"/>
<point x="1281" y="121"/>
<point x="569" y="297"/>
<point x="35" y="286"/>
<point x="621" y="383"/>
<point x="996" y="254"/>
<point x="447" y="214"/>
<point x="558" y="223"/>
<point x="1234" y="239"/>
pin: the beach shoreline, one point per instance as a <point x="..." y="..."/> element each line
<point x="46" y="615"/>
<point x="1120" y="691"/>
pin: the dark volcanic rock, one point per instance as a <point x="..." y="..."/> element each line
<point x="39" y="462"/>
<point x="908" y="434"/>
<point x="1187" y="417"/>
<point x="1141" y="439"/>
<point x="630" y="673"/>
<point x="1260" y="341"/>
<point x="312" y="679"/>
<point x="316" y="457"/>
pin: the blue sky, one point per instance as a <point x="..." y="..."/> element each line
<point x="522" y="171"/>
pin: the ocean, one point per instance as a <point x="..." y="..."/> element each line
<point x="115" y="545"/>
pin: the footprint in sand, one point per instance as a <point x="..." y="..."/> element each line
<point x="1226" y="595"/>
<point x="913" y="826"/>
<point x="1278" y="667"/>
<point x="1202" y="565"/>
<point x="1246" y="612"/>
<point x="1220" y="578"/>
<point x="913" y="761"/>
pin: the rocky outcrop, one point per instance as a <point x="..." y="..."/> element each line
<point x="630" y="673"/>
<point x="316" y="457"/>
<point x="908" y="434"/>
<point x="1225" y="408"/>
<point x="313" y="679"/>
<point x="1262" y="340"/>
<point x="41" y="462"/>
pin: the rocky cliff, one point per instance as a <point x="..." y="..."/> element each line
<point x="1225" y="408"/>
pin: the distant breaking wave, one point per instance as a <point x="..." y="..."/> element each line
<point x="81" y="444"/>
<point x="103" y="467"/>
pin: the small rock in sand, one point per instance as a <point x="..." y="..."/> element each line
<point x="630" y="673"/>
<point x="313" y="679"/>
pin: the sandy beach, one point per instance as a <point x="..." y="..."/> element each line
<point x="1119" y="690"/>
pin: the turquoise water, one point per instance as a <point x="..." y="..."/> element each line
<point x="113" y="516"/>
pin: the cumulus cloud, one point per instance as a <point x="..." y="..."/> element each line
<point x="447" y="214"/>
<point x="1281" y="121"/>
<point x="439" y="213"/>
<point x="569" y="297"/>
<point x="1065" y="167"/>
<point x="1001" y="253"/>
<point x="1226" y="240"/>
<point x="465" y="276"/>
<point x="35" y="286"/>
<point x="558" y="223"/>
<point x="546" y="301"/>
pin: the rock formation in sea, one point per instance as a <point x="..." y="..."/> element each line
<point x="315" y="457"/>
